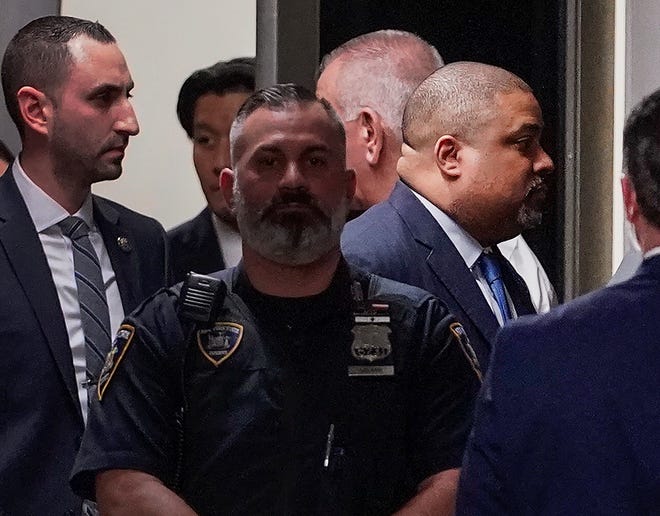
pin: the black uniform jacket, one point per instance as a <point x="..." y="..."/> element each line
<point x="320" y="405"/>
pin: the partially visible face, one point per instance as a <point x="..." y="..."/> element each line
<point x="212" y="120"/>
<point x="326" y="88"/>
<point x="291" y="189"/>
<point x="4" y="165"/>
<point x="92" y="113"/>
<point x="504" y="169"/>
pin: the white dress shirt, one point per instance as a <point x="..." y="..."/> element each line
<point x="46" y="213"/>
<point x="525" y="262"/>
<point x="229" y="240"/>
<point x="470" y="250"/>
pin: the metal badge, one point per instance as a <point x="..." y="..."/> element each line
<point x="217" y="344"/>
<point x="124" y="244"/>
<point x="371" y="348"/>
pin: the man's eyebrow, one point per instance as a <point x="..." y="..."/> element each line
<point x="111" y="87"/>
<point x="317" y="148"/>
<point x="530" y="127"/>
<point x="203" y="126"/>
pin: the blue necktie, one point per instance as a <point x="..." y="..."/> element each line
<point x="91" y="296"/>
<point x="489" y="266"/>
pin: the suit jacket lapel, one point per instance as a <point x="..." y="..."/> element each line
<point x="120" y="243"/>
<point x="445" y="261"/>
<point x="20" y="241"/>
<point x="207" y="241"/>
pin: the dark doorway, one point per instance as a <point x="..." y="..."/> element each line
<point x="526" y="38"/>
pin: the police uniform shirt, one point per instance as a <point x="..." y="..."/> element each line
<point x="278" y="426"/>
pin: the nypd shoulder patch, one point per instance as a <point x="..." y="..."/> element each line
<point x="114" y="357"/>
<point x="217" y="344"/>
<point x="459" y="332"/>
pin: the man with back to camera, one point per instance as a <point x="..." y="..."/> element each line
<point x="71" y="263"/>
<point x="569" y="418"/>
<point x="368" y="80"/>
<point x="208" y="102"/>
<point x="298" y="400"/>
<point x="472" y="175"/>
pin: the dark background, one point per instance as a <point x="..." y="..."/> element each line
<point x="526" y="38"/>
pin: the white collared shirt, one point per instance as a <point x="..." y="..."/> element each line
<point x="470" y="250"/>
<point x="229" y="240"/>
<point x="46" y="213"/>
<point x="652" y="252"/>
<point x="526" y="263"/>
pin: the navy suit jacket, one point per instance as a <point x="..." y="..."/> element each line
<point x="194" y="247"/>
<point x="41" y="424"/>
<point x="400" y="239"/>
<point x="568" y="421"/>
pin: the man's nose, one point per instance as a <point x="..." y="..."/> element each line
<point x="128" y="123"/>
<point x="292" y="177"/>
<point x="543" y="163"/>
<point x="221" y="158"/>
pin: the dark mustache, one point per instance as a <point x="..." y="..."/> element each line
<point x="538" y="184"/>
<point x="292" y="197"/>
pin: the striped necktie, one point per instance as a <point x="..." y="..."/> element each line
<point x="91" y="296"/>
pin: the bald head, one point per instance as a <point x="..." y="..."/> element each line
<point x="378" y="70"/>
<point x="457" y="100"/>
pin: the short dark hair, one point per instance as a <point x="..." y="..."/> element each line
<point x="5" y="153"/>
<point x="641" y="152"/>
<point x="38" y="56"/>
<point x="281" y="96"/>
<point x="234" y="76"/>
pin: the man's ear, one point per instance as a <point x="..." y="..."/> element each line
<point x="446" y="153"/>
<point x="35" y="108"/>
<point x="629" y="199"/>
<point x="370" y="127"/>
<point x="227" y="178"/>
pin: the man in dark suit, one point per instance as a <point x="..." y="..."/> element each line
<point x="208" y="102"/>
<point x="569" y="416"/>
<point x="6" y="157"/>
<point x="472" y="175"/>
<point x="63" y="290"/>
<point x="368" y="80"/>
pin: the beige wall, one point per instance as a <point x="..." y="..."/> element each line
<point x="163" y="43"/>
<point x="596" y="146"/>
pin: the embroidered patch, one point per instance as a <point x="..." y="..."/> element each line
<point x="113" y="358"/>
<point x="463" y="340"/>
<point x="218" y="343"/>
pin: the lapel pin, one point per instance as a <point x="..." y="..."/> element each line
<point x="124" y="244"/>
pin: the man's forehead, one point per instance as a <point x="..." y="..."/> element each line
<point x="518" y="102"/>
<point x="95" y="63"/>
<point x="308" y="124"/>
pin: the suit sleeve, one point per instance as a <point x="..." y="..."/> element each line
<point x="483" y="488"/>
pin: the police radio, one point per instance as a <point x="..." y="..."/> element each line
<point x="201" y="297"/>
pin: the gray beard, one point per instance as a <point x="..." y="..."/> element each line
<point x="293" y="244"/>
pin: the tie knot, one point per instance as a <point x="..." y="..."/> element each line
<point x="490" y="267"/>
<point x="74" y="227"/>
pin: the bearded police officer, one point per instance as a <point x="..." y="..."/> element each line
<point x="305" y="386"/>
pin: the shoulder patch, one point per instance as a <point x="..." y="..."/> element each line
<point x="464" y="342"/>
<point x="217" y="344"/>
<point x="117" y="351"/>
